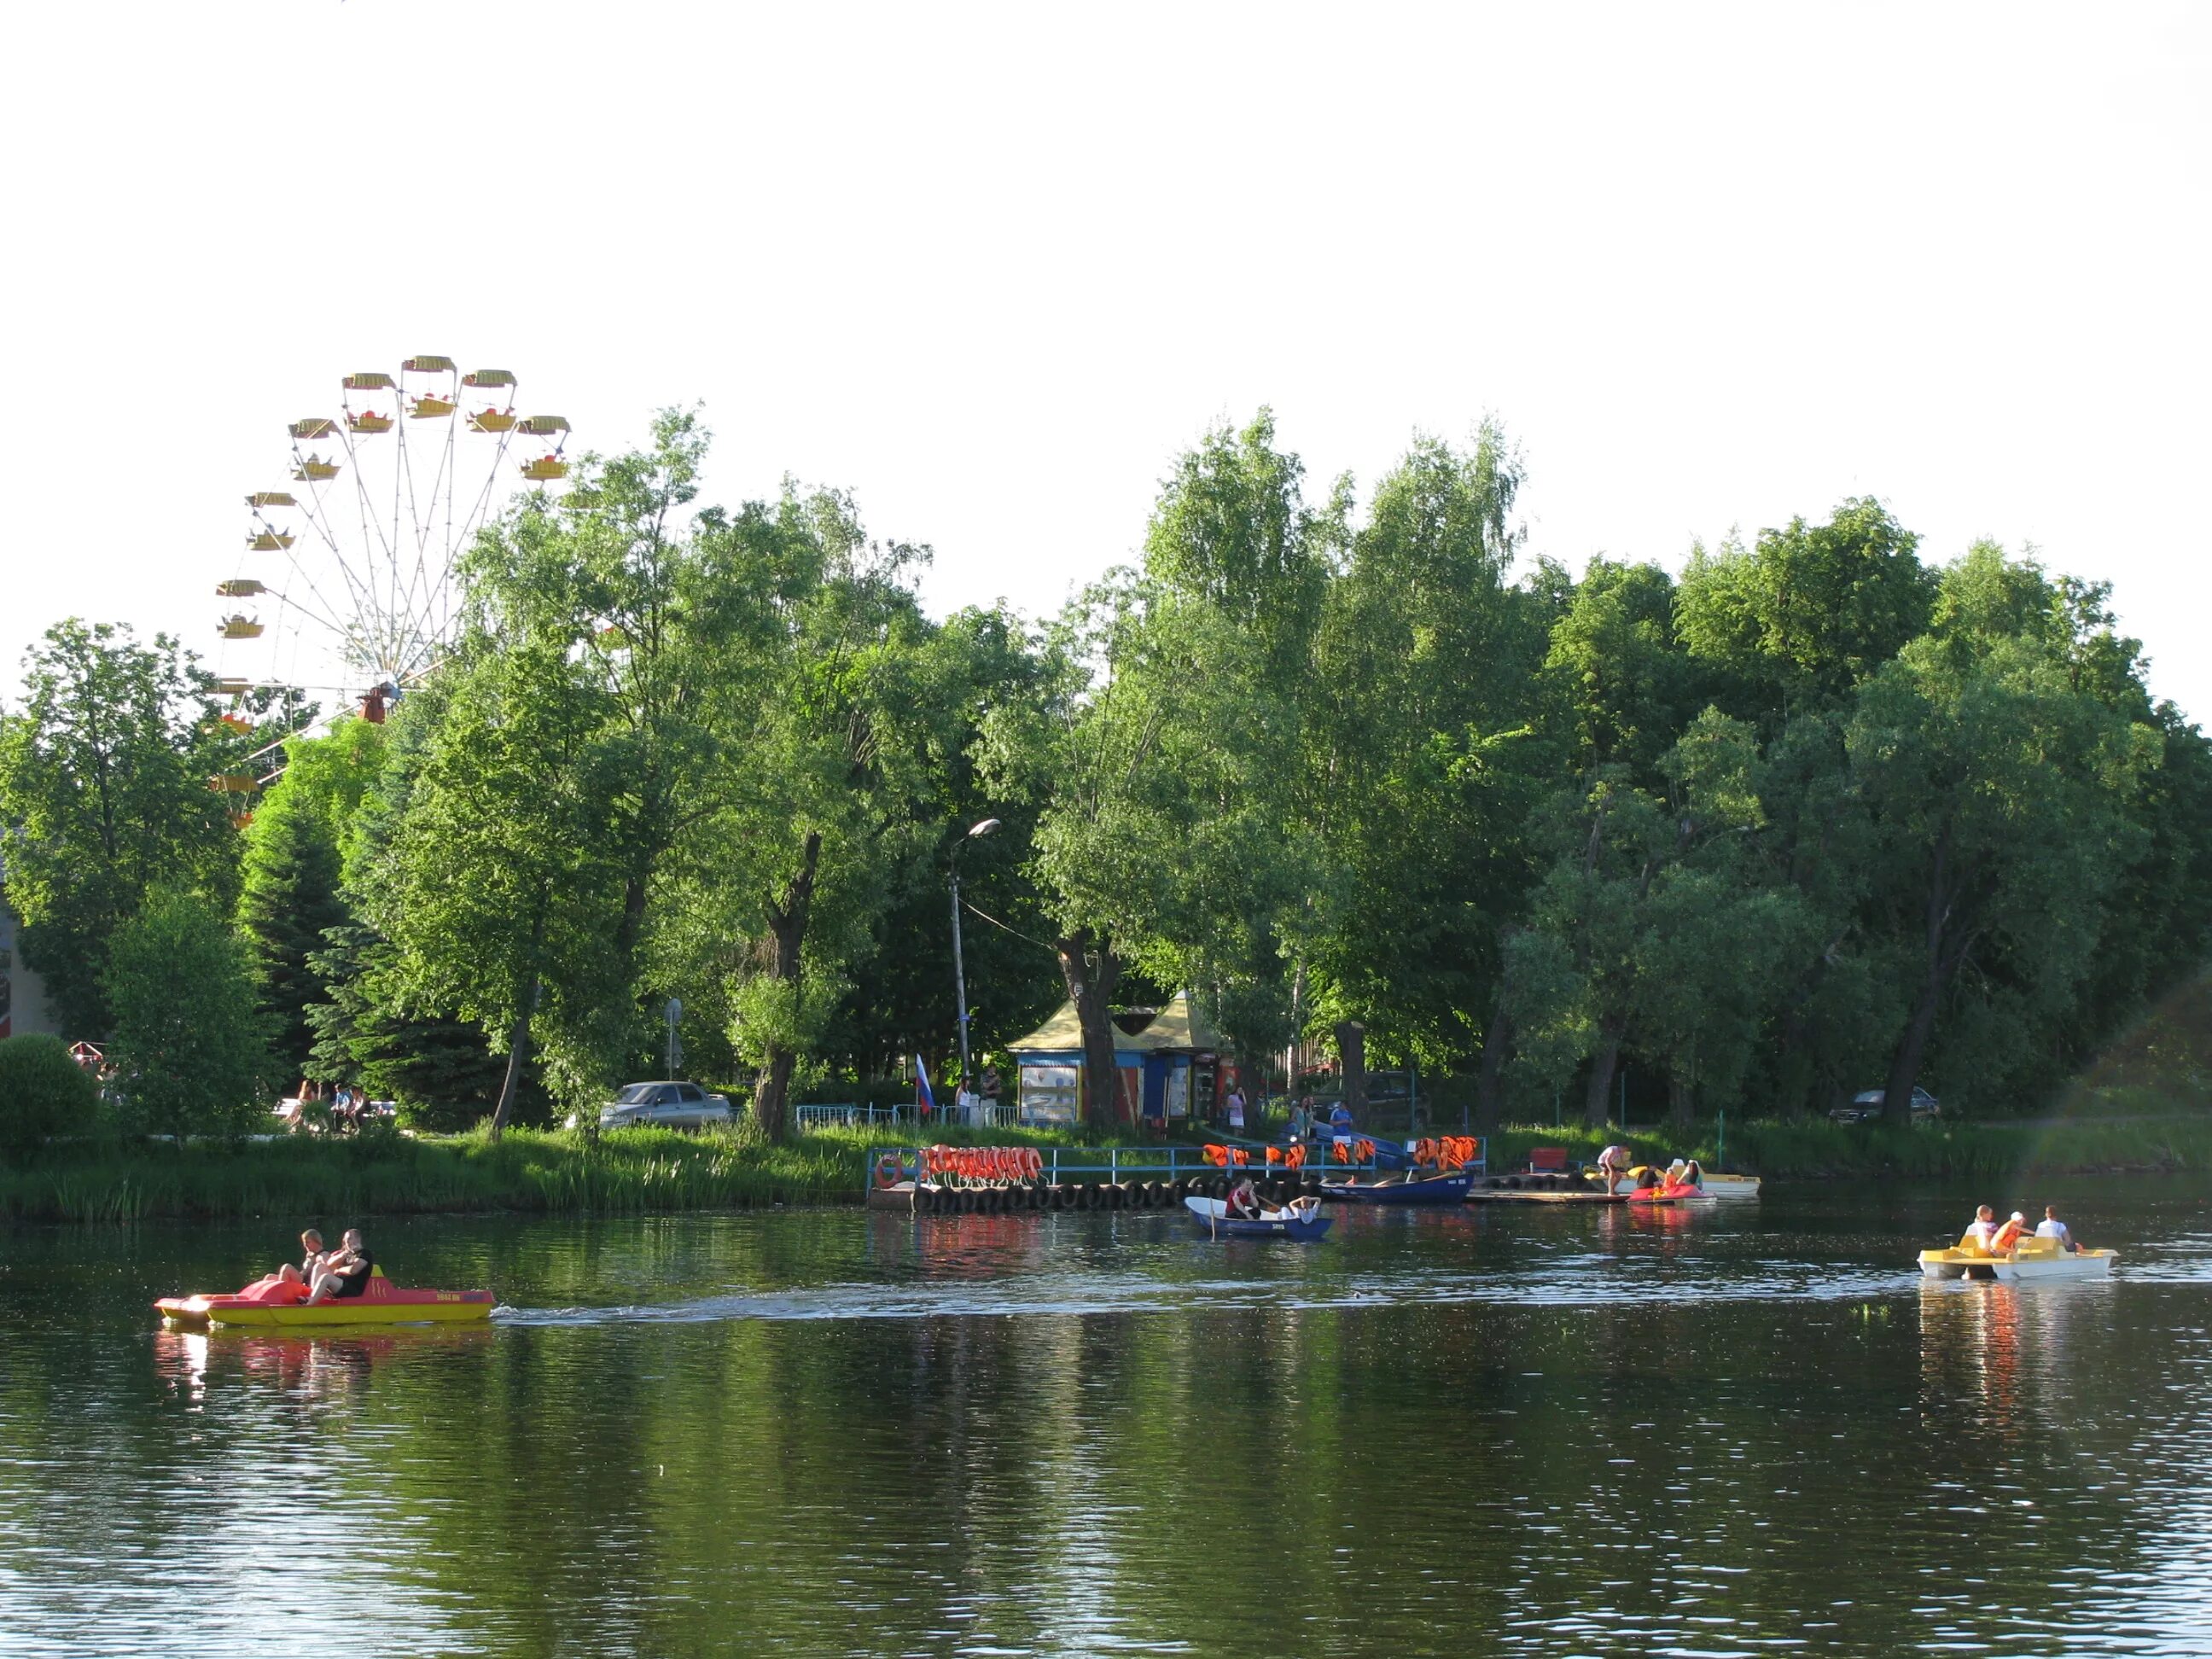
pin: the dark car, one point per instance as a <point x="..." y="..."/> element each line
<point x="1866" y="1107"/>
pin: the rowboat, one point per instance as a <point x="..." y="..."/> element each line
<point x="1730" y="1186"/>
<point x="1424" y="1190"/>
<point x="268" y="1304"/>
<point x="2035" y="1259"/>
<point x="1214" y="1220"/>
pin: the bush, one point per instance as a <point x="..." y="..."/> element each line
<point x="42" y="1092"/>
<point x="191" y="1047"/>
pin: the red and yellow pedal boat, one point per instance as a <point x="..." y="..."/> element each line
<point x="272" y="1303"/>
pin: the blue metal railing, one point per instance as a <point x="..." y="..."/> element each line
<point x="810" y="1117"/>
<point x="1078" y="1165"/>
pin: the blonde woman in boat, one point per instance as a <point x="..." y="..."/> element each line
<point x="1980" y="1230"/>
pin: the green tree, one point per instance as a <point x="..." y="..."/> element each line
<point x="1426" y="761"/>
<point x="1616" y="682"/>
<point x="1652" y="921"/>
<point x="500" y="880"/>
<point x="104" y="773"/>
<point x="1809" y="611"/>
<point x="191" y="1049"/>
<point x="43" y="1091"/>
<point x="791" y="875"/>
<point x="2000" y="796"/>
<point x="289" y="896"/>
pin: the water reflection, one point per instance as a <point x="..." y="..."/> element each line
<point x="1548" y="1433"/>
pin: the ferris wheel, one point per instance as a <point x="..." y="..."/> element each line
<point x="346" y="582"/>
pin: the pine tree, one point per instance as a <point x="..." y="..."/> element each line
<point x="290" y="901"/>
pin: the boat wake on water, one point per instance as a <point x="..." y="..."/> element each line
<point x="1090" y="1293"/>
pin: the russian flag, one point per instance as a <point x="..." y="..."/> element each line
<point x="925" y="1102"/>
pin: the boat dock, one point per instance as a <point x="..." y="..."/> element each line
<point x="1007" y="1179"/>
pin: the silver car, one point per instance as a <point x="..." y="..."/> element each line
<point x="665" y="1105"/>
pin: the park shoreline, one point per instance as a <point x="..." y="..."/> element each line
<point x="558" y="1172"/>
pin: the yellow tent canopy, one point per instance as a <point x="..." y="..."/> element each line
<point x="1179" y="1028"/>
<point x="1181" y="1025"/>
<point x="1063" y="1032"/>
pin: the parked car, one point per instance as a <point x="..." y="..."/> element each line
<point x="1866" y="1107"/>
<point x="665" y="1105"/>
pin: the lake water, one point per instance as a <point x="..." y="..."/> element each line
<point x="1510" y="1430"/>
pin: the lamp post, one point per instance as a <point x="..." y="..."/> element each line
<point x="959" y="969"/>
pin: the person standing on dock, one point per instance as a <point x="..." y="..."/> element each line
<point x="1613" y="1163"/>
<point x="1340" y="1130"/>
<point x="1232" y="1108"/>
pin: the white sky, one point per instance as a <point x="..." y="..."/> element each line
<point x="1711" y="265"/>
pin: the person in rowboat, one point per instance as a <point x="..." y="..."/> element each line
<point x="2051" y="1227"/>
<point x="1243" y="1200"/>
<point x="346" y="1272"/>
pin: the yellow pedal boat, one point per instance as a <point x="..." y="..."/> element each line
<point x="2036" y="1258"/>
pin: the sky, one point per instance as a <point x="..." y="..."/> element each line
<point x="990" y="269"/>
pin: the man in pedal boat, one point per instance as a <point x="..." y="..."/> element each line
<point x="346" y="1272"/>
<point x="2051" y="1227"/>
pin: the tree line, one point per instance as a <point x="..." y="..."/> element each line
<point x="1816" y="816"/>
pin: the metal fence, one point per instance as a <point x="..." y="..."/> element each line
<point x="1065" y="1165"/>
<point x="815" y="1117"/>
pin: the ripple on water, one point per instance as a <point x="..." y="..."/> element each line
<point x="839" y="1433"/>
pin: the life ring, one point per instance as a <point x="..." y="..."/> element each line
<point x="889" y="1171"/>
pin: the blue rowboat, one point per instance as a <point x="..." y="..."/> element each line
<point x="1214" y="1220"/>
<point x="1430" y="1189"/>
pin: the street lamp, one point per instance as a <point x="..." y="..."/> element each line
<point x="960" y="971"/>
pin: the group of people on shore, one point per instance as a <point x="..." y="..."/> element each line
<point x="349" y="1107"/>
<point x="1986" y="1234"/>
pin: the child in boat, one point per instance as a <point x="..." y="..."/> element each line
<point x="2051" y="1227"/>
<point x="2007" y="1237"/>
<point x="346" y="1272"/>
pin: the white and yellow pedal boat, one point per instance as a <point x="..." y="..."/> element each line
<point x="2035" y="1258"/>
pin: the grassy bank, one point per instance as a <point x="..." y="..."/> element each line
<point x="548" y="1171"/>
<point x="647" y="1169"/>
